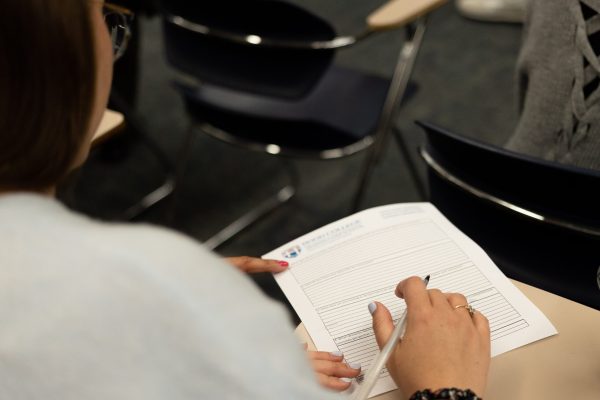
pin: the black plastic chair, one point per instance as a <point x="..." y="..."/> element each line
<point x="259" y="74"/>
<point x="538" y="220"/>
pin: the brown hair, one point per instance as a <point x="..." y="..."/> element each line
<point x="47" y="84"/>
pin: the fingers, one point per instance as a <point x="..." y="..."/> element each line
<point x="456" y="299"/>
<point x="438" y="299"/>
<point x="479" y="320"/>
<point x="336" y="368"/>
<point x="336" y="356"/>
<point x="482" y="325"/>
<point x="383" y="325"/>
<point x="333" y="383"/>
<point x="331" y="371"/>
<point x="413" y="291"/>
<point x="260" y="265"/>
<point x="255" y="265"/>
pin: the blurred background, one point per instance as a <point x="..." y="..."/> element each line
<point x="463" y="80"/>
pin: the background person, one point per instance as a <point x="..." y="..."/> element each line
<point x="558" y="76"/>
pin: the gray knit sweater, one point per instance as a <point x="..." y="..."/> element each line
<point x="559" y="121"/>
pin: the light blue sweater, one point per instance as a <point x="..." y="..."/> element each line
<point x="97" y="311"/>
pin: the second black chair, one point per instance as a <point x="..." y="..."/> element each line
<point x="259" y="74"/>
<point x="538" y="220"/>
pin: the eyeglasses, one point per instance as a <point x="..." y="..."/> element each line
<point x="118" y="20"/>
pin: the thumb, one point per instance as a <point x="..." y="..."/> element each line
<point x="383" y="325"/>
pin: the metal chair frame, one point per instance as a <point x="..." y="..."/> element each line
<point x="257" y="40"/>
<point x="512" y="207"/>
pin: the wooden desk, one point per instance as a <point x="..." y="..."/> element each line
<point x="565" y="366"/>
<point x="111" y="123"/>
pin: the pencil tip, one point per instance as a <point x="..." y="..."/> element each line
<point x="426" y="280"/>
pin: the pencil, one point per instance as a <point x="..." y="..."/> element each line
<point x="384" y="355"/>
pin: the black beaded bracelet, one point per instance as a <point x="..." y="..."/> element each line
<point x="451" y="394"/>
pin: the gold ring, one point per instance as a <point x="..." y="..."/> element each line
<point x="468" y="307"/>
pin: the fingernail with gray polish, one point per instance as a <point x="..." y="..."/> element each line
<point x="372" y="308"/>
<point x="355" y="365"/>
<point x="337" y="354"/>
<point x="347" y="380"/>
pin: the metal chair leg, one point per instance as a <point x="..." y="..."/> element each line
<point x="161" y="192"/>
<point x="183" y="156"/>
<point x="168" y="185"/>
<point x="410" y="165"/>
<point x="257" y="213"/>
<point x="230" y="231"/>
<point x="402" y="72"/>
<point x="150" y="199"/>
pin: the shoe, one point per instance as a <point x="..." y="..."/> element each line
<point x="493" y="10"/>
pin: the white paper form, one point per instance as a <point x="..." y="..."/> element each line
<point x="337" y="270"/>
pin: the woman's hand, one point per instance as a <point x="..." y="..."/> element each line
<point x="253" y="265"/>
<point x="443" y="346"/>
<point x="332" y="372"/>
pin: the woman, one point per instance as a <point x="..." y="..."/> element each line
<point x="92" y="310"/>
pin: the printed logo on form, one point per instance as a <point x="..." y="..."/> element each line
<point x="292" y="252"/>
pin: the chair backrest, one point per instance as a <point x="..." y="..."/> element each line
<point x="202" y="40"/>
<point x="538" y="220"/>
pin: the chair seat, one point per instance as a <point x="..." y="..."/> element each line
<point x="312" y="123"/>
